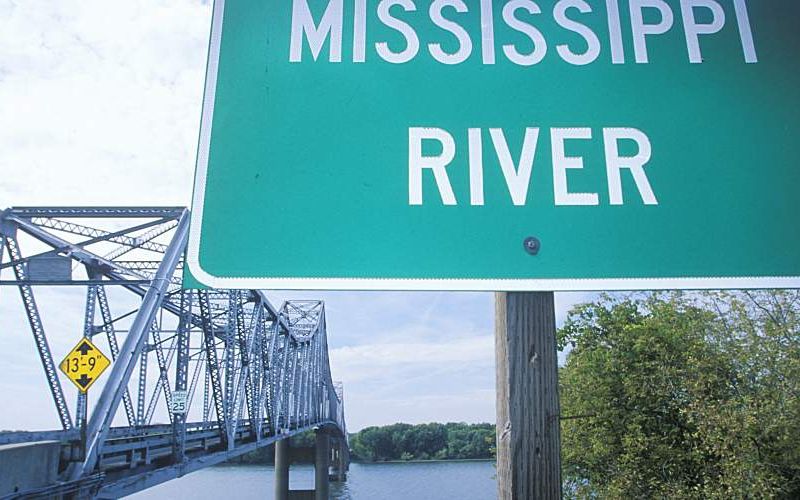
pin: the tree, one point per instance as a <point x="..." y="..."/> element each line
<point x="427" y="439"/>
<point x="423" y="442"/>
<point x="682" y="396"/>
<point x="755" y="434"/>
<point x="374" y="444"/>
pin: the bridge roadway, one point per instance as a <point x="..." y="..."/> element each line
<point x="134" y="459"/>
<point x="251" y="374"/>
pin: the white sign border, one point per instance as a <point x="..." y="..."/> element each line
<point x="554" y="285"/>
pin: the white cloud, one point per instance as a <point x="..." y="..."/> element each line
<point x="367" y="361"/>
<point x="100" y="100"/>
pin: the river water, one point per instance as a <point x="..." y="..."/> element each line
<point x="387" y="481"/>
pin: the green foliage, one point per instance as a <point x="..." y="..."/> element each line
<point x="423" y="442"/>
<point x="403" y="442"/>
<point x="683" y="396"/>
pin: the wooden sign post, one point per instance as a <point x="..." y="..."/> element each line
<point x="528" y="428"/>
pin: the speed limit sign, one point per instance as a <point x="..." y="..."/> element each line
<point x="180" y="402"/>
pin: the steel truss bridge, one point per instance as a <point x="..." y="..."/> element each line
<point x="252" y="374"/>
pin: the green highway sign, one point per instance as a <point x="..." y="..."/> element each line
<point x="499" y="145"/>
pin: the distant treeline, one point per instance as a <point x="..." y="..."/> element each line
<point x="432" y="441"/>
<point x="451" y="441"/>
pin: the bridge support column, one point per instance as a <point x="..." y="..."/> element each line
<point x="344" y="462"/>
<point x="321" y="465"/>
<point x="339" y="472"/>
<point x="282" y="460"/>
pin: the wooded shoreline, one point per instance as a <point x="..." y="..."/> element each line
<point x="405" y="443"/>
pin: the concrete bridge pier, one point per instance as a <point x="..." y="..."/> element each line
<point x="320" y="454"/>
<point x="322" y="458"/>
<point x="282" y="460"/>
<point x="338" y="462"/>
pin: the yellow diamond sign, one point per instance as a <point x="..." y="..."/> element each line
<point x="84" y="364"/>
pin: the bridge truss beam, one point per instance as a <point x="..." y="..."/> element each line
<point x="250" y="373"/>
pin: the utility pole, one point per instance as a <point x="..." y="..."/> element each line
<point x="528" y="432"/>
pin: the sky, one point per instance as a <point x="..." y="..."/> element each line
<point x="100" y="104"/>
